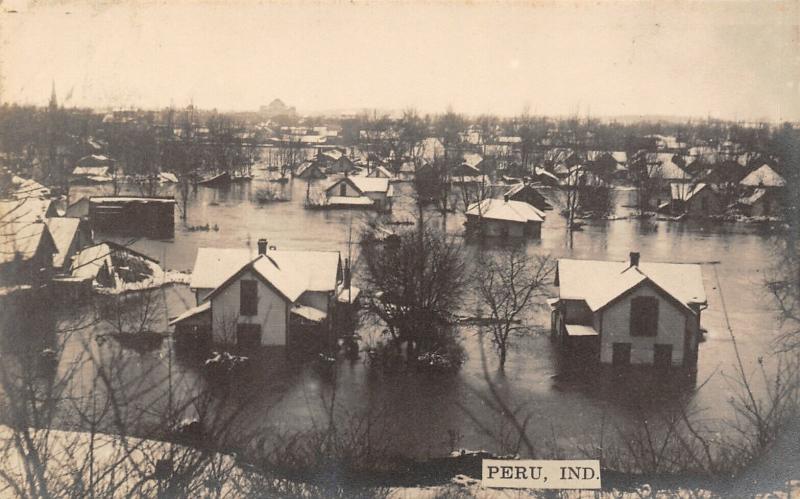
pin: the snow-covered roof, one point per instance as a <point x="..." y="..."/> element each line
<point x="753" y="198"/>
<point x="30" y="209"/>
<point x="309" y="313"/>
<point x="287" y="280"/>
<point x="20" y="240"/>
<point x="599" y="282"/>
<point x="168" y="177"/>
<point x="370" y="184"/>
<point x="90" y="171"/>
<point x="88" y="262"/>
<point x="130" y="199"/>
<point x="27" y="188"/>
<point x="203" y="307"/>
<point x="63" y="231"/>
<point x="764" y="176"/>
<point x="380" y="172"/>
<point x="94" y="160"/>
<point x="499" y="209"/>
<point x="663" y="165"/>
<point x="515" y="189"/>
<point x="348" y="294"/>
<point x="578" y="330"/>
<point x="472" y="159"/>
<point x="213" y="266"/>
<point x="333" y="154"/>
<point x="681" y="191"/>
<point x="620" y="156"/>
<point x="305" y="270"/>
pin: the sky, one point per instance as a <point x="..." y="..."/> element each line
<point x="733" y="59"/>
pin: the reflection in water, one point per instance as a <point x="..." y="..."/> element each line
<point x="425" y="409"/>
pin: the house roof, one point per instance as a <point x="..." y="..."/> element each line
<point x="499" y="209"/>
<point x="94" y="160"/>
<point x="620" y="156"/>
<point x="684" y="192"/>
<point x="349" y="201"/>
<point x="515" y="189"/>
<point x="754" y="197"/>
<point x="380" y="172"/>
<point x="22" y="240"/>
<point x="472" y="159"/>
<point x="578" y="330"/>
<point x="764" y="176"/>
<point x="63" y="231"/>
<point x="129" y="199"/>
<point x="308" y="270"/>
<point x="27" y="187"/>
<point x="90" y="171"/>
<point x="365" y="184"/>
<point x="30" y="209"/>
<point x="203" y="307"/>
<point x="309" y="313"/>
<point x="90" y="260"/>
<point x="609" y="280"/>
<point x="664" y="164"/>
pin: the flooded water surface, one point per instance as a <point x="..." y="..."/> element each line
<point x="429" y="415"/>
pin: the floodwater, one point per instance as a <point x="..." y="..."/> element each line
<point x="429" y="415"/>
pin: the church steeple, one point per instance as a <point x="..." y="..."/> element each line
<point x="53" y="101"/>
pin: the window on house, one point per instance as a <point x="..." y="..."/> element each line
<point x="248" y="298"/>
<point x="644" y="316"/>
<point x="342" y="189"/>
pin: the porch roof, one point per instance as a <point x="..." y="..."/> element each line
<point x="203" y="307"/>
<point x="579" y="330"/>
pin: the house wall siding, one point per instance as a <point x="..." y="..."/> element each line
<point x="672" y="324"/>
<point x="271" y="314"/>
<point x="316" y="299"/>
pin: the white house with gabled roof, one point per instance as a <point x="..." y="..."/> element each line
<point x="630" y="312"/>
<point x="261" y="300"/>
<point x="360" y="191"/>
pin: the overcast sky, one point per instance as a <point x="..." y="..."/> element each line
<point x="731" y="60"/>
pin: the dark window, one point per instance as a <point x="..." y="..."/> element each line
<point x="662" y="356"/>
<point x="248" y="298"/>
<point x="644" y="316"/>
<point x="621" y="355"/>
<point x="248" y="336"/>
<point x="343" y="189"/>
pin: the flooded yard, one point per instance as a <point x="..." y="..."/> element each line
<point x="430" y="415"/>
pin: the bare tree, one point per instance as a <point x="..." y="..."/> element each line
<point x="508" y="284"/>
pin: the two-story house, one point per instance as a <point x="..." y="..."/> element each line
<point x="629" y="312"/>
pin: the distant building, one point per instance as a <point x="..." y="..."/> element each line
<point x="764" y="177"/>
<point x="277" y="108"/>
<point x="528" y="194"/>
<point x="94" y="168"/>
<point x="633" y="312"/>
<point x="360" y="191"/>
<point x="310" y="170"/>
<point x="694" y="200"/>
<point x="504" y="218"/>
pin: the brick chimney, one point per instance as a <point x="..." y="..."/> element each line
<point x="634" y="258"/>
<point x="262" y="246"/>
<point x="505" y="198"/>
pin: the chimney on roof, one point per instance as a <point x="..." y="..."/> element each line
<point x="262" y="246"/>
<point x="634" y="258"/>
<point x="505" y="198"/>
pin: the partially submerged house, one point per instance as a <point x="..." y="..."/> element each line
<point x="273" y="298"/>
<point x="365" y="192"/>
<point x="381" y="172"/>
<point x="632" y="312"/>
<point x="94" y="168"/>
<point x="694" y="200"/>
<point x="504" y="218"/>
<point x="528" y="194"/>
<point x="130" y="215"/>
<point x="310" y="170"/>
